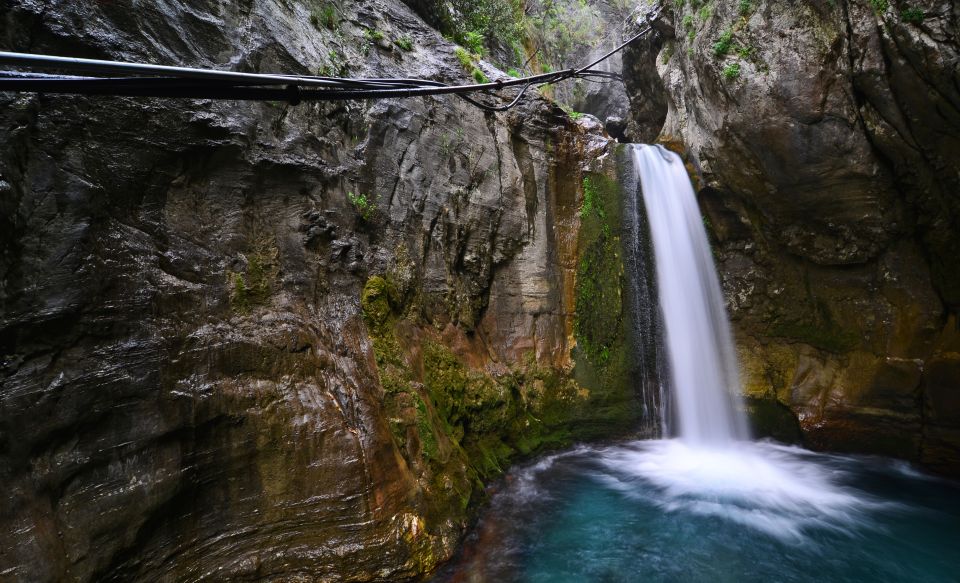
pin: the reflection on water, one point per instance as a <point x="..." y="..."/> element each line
<point x="665" y="511"/>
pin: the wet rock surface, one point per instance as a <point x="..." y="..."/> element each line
<point x="195" y="380"/>
<point x="826" y="137"/>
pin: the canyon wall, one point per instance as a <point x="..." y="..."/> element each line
<point x="825" y="138"/>
<point x="256" y="341"/>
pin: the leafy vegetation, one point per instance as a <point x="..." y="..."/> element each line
<point x="324" y="17"/>
<point x="723" y="44"/>
<point x="467" y="61"/>
<point x="880" y="6"/>
<point x="591" y="200"/>
<point x="335" y="67"/>
<point x="405" y="43"/>
<point x="731" y="71"/>
<point x="913" y="15"/>
<point x="557" y="30"/>
<point x="475" y="24"/>
<point x="364" y="205"/>
<point x="464" y="57"/>
<point x="574" y="115"/>
<point x="473" y="40"/>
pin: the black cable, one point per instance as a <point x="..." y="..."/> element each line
<point x="192" y="83"/>
<point x="485" y="107"/>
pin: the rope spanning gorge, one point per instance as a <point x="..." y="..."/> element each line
<point x="146" y="80"/>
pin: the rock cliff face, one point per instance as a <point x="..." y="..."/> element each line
<point x="262" y="342"/>
<point x="827" y="135"/>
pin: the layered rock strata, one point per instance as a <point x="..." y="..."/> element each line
<point x="250" y="341"/>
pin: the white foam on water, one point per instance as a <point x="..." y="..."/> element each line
<point x="781" y="491"/>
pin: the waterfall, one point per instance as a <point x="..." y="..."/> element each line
<point x="646" y="324"/>
<point x="703" y="376"/>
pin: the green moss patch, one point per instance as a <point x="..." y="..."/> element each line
<point x="599" y="326"/>
<point x="254" y="286"/>
<point x="375" y="301"/>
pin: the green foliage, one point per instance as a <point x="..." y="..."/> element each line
<point x="479" y="77"/>
<point x="365" y="206"/>
<point x="467" y="62"/>
<point x="373" y="34"/>
<point x="464" y="57"/>
<point x="913" y="15"/>
<point x="514" y="73"/>
<point x="705" y="11"/>
<point x="723" y="44"/>
<point x="745" y="7"/>
<point x="560" y="29"/>
<point x="324" y="16"/>
<point x="336" y="67"/>
<point x="574" y="115"/>
<point x="473" y="40"/>
<point x="687" y="21"/>
<point x="880" y="6"/>
<point x="731" y="71"/>
<point x="475" y="23"/>
<point x="591" y="200"/>
<point x="668" y="53"/>
<point x="405" y="43"/>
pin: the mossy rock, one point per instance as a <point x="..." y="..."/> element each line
<point x="599" y="299"/>
<point x="255" y="286"/>
<point x="375" y="301"/>
<point x="598" y="323"/>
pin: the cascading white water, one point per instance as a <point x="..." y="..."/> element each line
<point x="702" y="361"/>
<point x="710" y="504"/>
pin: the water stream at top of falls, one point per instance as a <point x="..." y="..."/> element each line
<point x="703" y="375"/>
